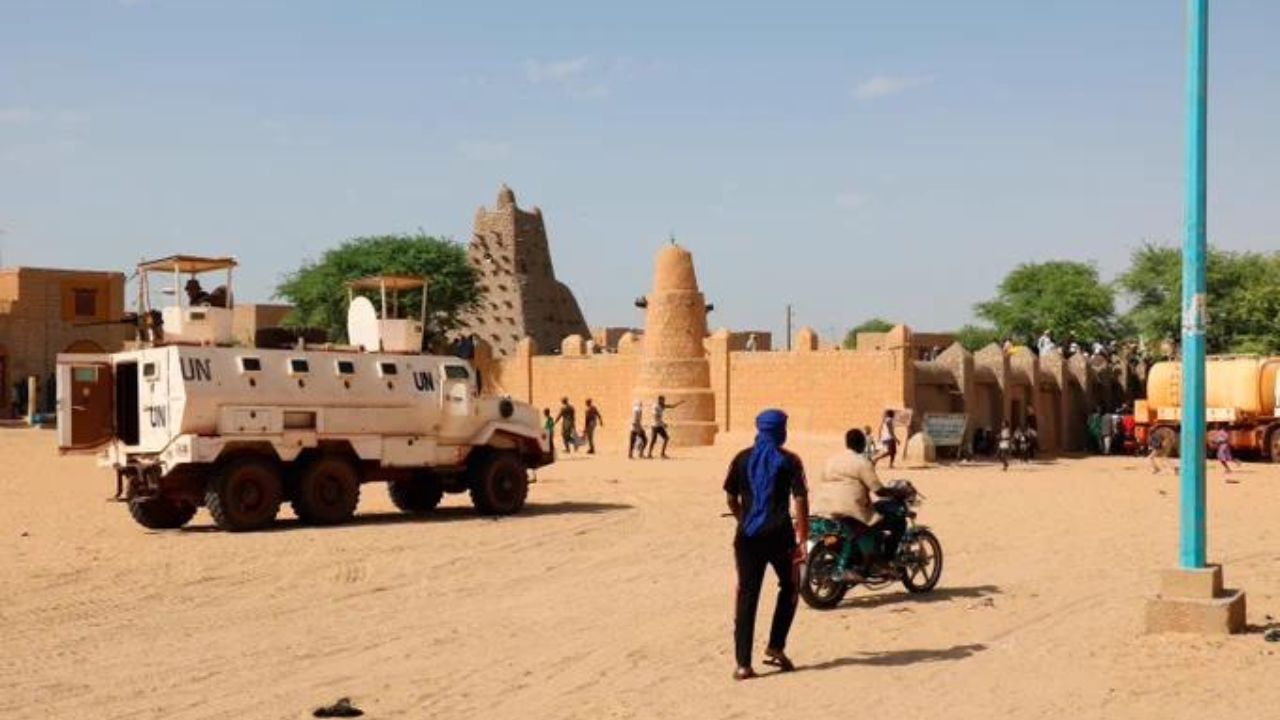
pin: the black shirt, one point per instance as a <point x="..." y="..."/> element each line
<point x="789" y="482"/>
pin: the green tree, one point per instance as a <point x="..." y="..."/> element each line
<point x="975" y="337"/>
<point x="1242" y="298"/>
<point x="318" y="293"/>
<point x="1067" y="298"/>
<point x="873" y="325"/>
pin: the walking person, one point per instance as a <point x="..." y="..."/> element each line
<point x="1107" y="428"/>
<point x="1005" y="445"/>
<point x="568" y="419"/>
<point x="638" y="436"/>
<point x="1033" y="433"/>
<point x="592" y="420"/>
<point x="660" y="425"/>
<point x="549" y="427"/>
<point x="762" y="481"/>
<point x="888" y="439"/>
<point x="1222" y="442"/>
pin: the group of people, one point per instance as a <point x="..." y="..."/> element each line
<point x="1011" y="443"/>
<point x="1111" y="433"/>
<point x="640" y="440"/>
<point x="764" y="484"/>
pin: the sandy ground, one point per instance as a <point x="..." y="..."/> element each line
<point x="611" y="598"/>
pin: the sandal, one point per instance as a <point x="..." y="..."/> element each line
<point x="743" y="673"/>
<point x="778" y="659"/>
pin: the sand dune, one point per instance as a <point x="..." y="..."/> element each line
<point x="611" y="598"/>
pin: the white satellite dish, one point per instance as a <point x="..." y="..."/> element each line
<point x="362" y="325"/>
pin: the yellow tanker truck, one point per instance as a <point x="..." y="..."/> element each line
<point x="1241" y="395"/>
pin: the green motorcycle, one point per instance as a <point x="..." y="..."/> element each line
<point x="897" y="548"/>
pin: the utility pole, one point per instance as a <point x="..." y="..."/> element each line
<point x="1191" y="551"/>
<point x="789" y="316"/>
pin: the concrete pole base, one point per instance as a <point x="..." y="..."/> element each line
<point x="1194" y="601"/>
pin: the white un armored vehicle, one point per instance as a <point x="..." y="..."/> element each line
<point x="187" y="418"/>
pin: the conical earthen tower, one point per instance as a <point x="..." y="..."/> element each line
<point x="674" y="362"/>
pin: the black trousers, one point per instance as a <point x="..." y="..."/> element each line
<point x="659" y="432"/>
<point x="591" y="439"/>
<point x="638" y="438"/>
<point x="753" y="555"/>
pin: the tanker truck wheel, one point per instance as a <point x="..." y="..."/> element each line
<point x="160" y="513"/>
<point x="418" y="495"/>
<point x="327" y="491"/>
<point x="244" y="494"/>
<point x="499" y="483"/>
<point x="1273" y="445"/>
<point x="1168" y="441"/>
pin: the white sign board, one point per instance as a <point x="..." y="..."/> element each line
<point x="945" y="429"/>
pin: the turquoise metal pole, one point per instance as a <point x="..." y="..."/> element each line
<point x="1191" y="550"/>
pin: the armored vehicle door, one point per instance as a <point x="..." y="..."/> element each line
<point x="86" y="402"/>
<point x="456" y="391"/>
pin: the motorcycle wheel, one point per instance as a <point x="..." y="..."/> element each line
<point x="819" y="587"/>
<point x="922" y="562"/>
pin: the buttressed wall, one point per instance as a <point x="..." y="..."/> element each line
<point x="522" y="297"/>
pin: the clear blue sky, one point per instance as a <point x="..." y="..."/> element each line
<point x="854" y="158"/>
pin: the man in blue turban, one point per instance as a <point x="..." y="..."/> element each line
<point x="762" y="481"/>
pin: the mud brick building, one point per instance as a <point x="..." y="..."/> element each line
<point x="522" y="296"/>
<point x="44" y="312"/>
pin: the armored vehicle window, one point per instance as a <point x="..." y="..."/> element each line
<point x="456" y="372"/>
<point x="346" y="367"/>
<point x="298" y="365"/>
<point x="387" y="368"/>
<point x="149" y="370"/>
<point x="250" y="364"/>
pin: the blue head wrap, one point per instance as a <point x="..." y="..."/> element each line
<point x="763" y="466"/>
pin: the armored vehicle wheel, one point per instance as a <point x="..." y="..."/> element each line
<point x="327" y="491"/>
<point x="499" y="483"/>
<point x="244" y="494"/>
<point x="160" y="513"/>
<point x="419" y="495"/>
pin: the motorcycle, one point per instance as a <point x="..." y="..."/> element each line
<point x="916" y="561"/>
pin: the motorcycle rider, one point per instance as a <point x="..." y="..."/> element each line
<point x="848" y="481"/>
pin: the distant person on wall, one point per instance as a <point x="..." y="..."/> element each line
<point x="1005" y="445"/>
<point x="568" y="419"/>
<point x="758" y="487"/>
<point x="888" y="439"/>
<point x="592" y="420"/>
<point x="660" y="425"/>
<point x="1045" y="343"/>
<point x="751" y="342"/>
<point x="638" y="436"/>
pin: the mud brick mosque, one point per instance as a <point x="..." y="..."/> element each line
<point x="535" y="347"/>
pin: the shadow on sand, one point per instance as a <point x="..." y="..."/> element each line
<point x="901" y="658"/>
<point x="944" y="594"/>
<point x="444" y="514"/>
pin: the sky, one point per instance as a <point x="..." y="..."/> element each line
<point x="853" y="159"/>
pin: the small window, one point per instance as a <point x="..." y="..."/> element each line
<point x="196" y="316"/>
<point x="86" y="302"/>
<point x="148" y="370"/>
<point x="250" y="364"/>
<point x="298" y="366"/>
<point x="346" y="367"/>
<point x="85" y="375"/>
<point x="456" y="372"/>
<point x="387" y="368"/>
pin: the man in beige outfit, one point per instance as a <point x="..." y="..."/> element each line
<point x="845" y="492"/>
